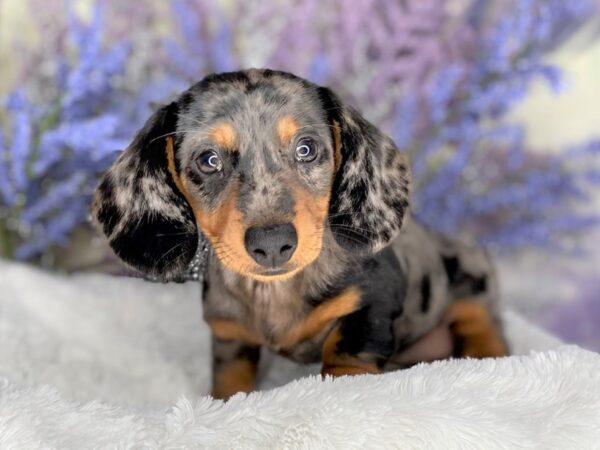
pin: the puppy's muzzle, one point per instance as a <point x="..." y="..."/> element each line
<point x="271" y="246"/>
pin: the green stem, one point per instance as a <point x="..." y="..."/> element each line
<point x="6" y="244"/>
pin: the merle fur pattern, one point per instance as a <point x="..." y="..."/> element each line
<point x="406" y="275"/>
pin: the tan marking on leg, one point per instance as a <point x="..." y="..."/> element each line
<point x="231" y="330"/>
<point x="224" y="134"/>
<point x="338" y="364"/>
<point x="339" y="306"/>
<point x="232" y="377"/>
<point x="472" y="324"/>
<point x="287" y="127"/>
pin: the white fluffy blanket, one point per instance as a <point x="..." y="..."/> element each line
<point x="99" y="362"/>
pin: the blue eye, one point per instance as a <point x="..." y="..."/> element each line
<point x="306" y="150"/>
<point x="210" y="162"/>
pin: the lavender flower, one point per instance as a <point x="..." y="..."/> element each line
<point x="205" y="44"/>
<point x="510" y="213"/>
<point x="439" y="83"/>
<point x="435" y="91"/>
<point x="53" y="153"/>
<point x="576" y="320"/>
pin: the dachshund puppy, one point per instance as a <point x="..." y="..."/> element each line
<point x="313" y="253"/>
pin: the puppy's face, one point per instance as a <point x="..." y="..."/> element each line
<point x="263" y="163"/>
<point x="256" y="164"/>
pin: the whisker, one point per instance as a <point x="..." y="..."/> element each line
<point x="183" y="233"/>
<point x="317" y="124"/>
<point x="168" y="252"/>
<point x="199" y="132"/>
<point x="354" y="238"/>
<point x="349" y="227"/>
<point x="342" y="214"/>
<point x="198" y="121"/>
<point x="355" y="231"/>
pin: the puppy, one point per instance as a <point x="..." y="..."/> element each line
<point x="313" y="253"/>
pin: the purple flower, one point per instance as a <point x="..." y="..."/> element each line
<point x="440" y="84"/>
<point x="577" y="320"/>
<point x="54" y="153"/>
<point x="437" y="93"/>
<point x="199" y="51"/>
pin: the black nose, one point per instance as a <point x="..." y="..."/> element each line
<point x="273" y="245"/>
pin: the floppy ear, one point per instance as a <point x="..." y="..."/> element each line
<point x="147" y="220"/>
<point x="371" y="187"/>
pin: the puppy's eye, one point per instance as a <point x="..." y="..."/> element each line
<point x="306" y="150"/>
<point x="210" y="162"/>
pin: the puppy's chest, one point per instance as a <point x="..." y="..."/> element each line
<point x="271" y="315"/>
<point x="273" y="311"/>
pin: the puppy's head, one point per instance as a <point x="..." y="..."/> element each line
<point x="262" y="163"/>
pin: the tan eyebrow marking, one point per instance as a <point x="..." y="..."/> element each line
<point x="224" y="134"/>
<point x="287" y="128"/>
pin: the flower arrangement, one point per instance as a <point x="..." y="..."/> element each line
<point x="439" y="82"/>
<point x="54" y="151"/>
<point x="442" y="86"/>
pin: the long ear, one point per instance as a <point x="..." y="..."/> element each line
<point x="371" y="187"/>
<point x="147" y="220"/>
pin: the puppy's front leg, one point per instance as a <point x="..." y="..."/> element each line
<point x="338" y="361"/>
<point x="476" y="333"/>
<point x="234" y="367"/>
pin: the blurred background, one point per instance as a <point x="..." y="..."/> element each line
<point x="497" y="103"/>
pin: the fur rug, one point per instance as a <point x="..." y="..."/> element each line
<point x="92" y="361"/>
